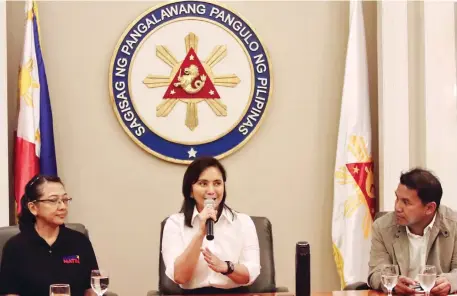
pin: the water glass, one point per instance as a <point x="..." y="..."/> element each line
<point x="389" y="277"/>
<point x="427" y="278"/>
<point x="99" y="281"/>
<point x="59" y="290"/>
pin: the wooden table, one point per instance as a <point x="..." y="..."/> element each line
<point x="334" y="293"/>
<point x="350" y="293"/>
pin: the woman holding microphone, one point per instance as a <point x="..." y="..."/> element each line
<point x="230" y="260"/>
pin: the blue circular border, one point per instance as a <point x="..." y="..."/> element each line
<point x="177" y="151"/>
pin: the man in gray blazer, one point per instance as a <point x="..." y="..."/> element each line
<point x="420" y="232"/>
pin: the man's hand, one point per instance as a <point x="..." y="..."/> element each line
<point x="442" y="286"/>
<point x="403" y="284"/>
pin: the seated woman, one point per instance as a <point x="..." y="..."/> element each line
<point x="232" y="258"/>
<point x="45" y="252"/>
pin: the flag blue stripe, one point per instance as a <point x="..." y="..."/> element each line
<point x="48" y="164"/>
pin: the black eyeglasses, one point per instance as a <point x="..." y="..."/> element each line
<point x="55" y="201"/>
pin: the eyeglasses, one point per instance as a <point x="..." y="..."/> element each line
<point x="55" y="201"/>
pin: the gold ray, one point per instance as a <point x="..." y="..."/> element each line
<point x="218" y="107"/>
<point x="152" y="81"/>
<point x="339" y="265"/>
<point x="343" y="176"/>
<point x="358" y="147"/>
<point x="28" y="100"/>
<point x="367" y="222"/>
<point x="191" y="42"/>
<point x="166" y="56"/>
<point x="228" y="80"/>
<point x="37" y="136"/>
<point x="351" y="204"/>
<point x="191" y="115"/>
<point x="164" y="108"/>
<point x="219" y="52"/>
<point x="30" y="14"/>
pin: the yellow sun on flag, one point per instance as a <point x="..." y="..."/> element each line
<point x="27" y="83"/>
<point x="37" y="136"/>
<point x="360" y="176"/>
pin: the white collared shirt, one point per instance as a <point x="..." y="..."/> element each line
<point x="235" y="240"/>
<point x="418" y="250"/>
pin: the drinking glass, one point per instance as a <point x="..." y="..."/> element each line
<point x="427" y="278"/>
<point x="99" y="281"/>
<point x="59" y="290"/>
<point x="389" y="277"/>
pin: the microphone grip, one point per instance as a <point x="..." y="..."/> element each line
<point x="302" y="269"/>
<point x="209" y="229"/>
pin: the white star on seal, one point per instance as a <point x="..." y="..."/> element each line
<point x="211" y="92"/>
<point x="172" y="92"/>
<point x="191" y="57"/>
<point x="192" y="152"/>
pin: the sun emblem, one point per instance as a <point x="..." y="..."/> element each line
<point x="188" y="79"/>
<point x="191" y="81"/>
<point x="360" y="176"/>
<point x="27" y="83"/>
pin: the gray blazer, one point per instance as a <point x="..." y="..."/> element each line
<point x="390" y="245"/>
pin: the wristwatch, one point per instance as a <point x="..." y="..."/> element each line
<point x="230" y="268"/>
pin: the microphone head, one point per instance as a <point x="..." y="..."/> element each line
<point x="209" y="202"/>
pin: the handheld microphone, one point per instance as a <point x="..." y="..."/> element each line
<point x="209" y="203"/>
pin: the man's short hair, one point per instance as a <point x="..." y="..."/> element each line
<point x="426" y="184"/>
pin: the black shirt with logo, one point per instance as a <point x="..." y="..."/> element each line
<point x="29" y="265"/>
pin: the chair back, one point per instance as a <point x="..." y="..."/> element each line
<point x="265" y="283"/>
<point x="9" y="231"/>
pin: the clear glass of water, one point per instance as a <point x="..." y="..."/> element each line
<point x="99" y="281"/>
<point x="59" y="290"/>
<point x="389" y="277"/>
<point x="427" y="278"/>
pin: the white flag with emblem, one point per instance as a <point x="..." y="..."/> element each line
<point x="354" y="198"/>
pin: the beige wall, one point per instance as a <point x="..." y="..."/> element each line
<point x="428" y="123"/>
<point x="4" y="157"/>
<point x="416" y="82"/>
<point x="122" y="193"/>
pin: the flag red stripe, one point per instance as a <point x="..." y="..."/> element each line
<point x="26" y="165"/>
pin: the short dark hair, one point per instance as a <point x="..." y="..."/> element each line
<point x="426" y="184"/>
<point x="32" y="192"/>
<point x="191" y="176"/>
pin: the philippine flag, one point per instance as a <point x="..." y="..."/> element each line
<point x="34" y="147"/>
